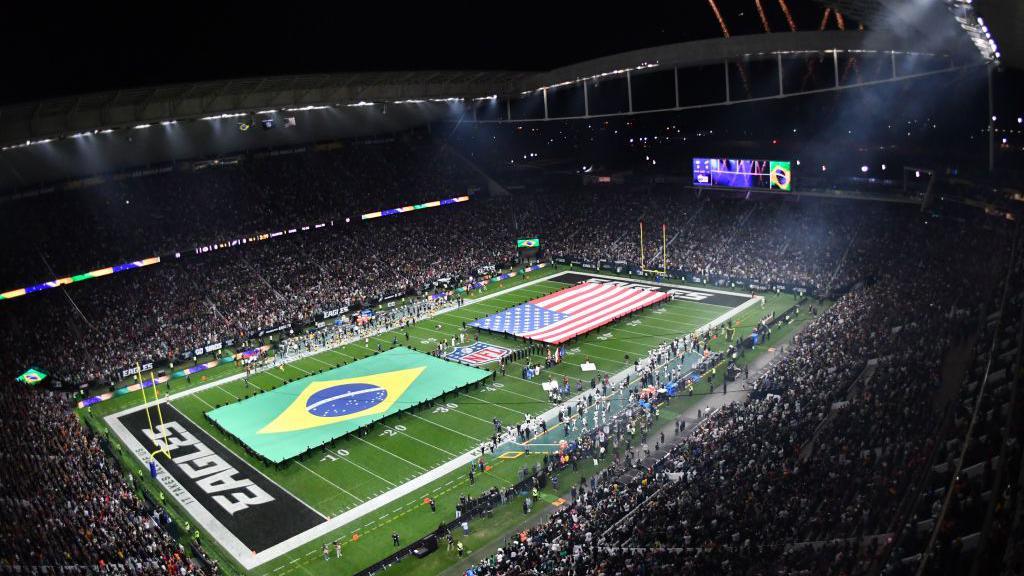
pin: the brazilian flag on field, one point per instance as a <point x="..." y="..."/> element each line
<point x="289" y="420"/>
<point x="528" y="243"/>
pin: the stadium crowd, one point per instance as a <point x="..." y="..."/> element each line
<point x="807" y="475"/>
<point x="799" y="478"/>
<point x="183" y="304"/>
<point x="66" y="506"/>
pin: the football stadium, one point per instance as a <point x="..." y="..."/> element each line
<point x="723" y="287"/>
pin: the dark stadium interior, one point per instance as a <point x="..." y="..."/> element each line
<point x="235" y="162"/>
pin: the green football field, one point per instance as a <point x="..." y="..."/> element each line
<point x="403" y="447"/>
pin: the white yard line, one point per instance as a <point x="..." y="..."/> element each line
<point x="495" y="405"/>
<point x="413" y="464"/>
<point x="531" y="398"/>
<point x="292" y="364"/>
<point x="340" y="353"/>
<point x="271" y="373"/>
<point x="322" y="362"/>
<point x="224" y="390"/>
<point x="446" y="335"/>
<point x="630" y="352"/>
<point x="641" y="334"/>
<point x="370" y="472"/>
<point x="200" y="398"/>
<point x="317" y="474"/>
<point x="475" y="440"/>
<point x="467" y="414"/>
<point x="438" y="448"/>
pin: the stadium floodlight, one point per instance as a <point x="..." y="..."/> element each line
<point x="267" y="112"/>
<point x="641" y="66"/>
<point x="883" y="167"/>
<point x="225" y="115"/>
<point x="360" y="103"/>
<point x="305" y="108"/>
<point x="141" y="126"/>
<point x="864" y="168"/>
<point x="168" y="122"/>
<point x="107" y="131"/>
<point x="974" y="26"/>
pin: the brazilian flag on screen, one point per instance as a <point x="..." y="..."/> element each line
<point x="528" y="243"/>
<point x="781" y="177"/>
<point x="32" y="376"/>
<point x="304" y="414"/>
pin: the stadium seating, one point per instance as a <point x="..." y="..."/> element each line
<point x="68" y="507"/>
<point x="832" y="466"/>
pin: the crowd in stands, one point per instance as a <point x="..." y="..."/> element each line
<point x="810" y="473"/>
<point x="68" y="232"/>
<point x="67" y="507"/>
<point x="806" y="476"/>
<point x="86" y="332"/>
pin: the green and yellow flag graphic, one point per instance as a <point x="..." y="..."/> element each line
<point x="307" y="413"/>
<point x="331" y="401"/>
<point x="32" y="376"/>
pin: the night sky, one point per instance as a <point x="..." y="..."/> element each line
<point x="51" y="51"/>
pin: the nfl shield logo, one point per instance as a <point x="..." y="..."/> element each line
<point x="477" y="353"/>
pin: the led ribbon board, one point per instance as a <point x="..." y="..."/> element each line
<point x="424" y="206"/>
<point x="80" y="277"/>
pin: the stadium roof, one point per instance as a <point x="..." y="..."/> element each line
<point x="71" y="127"/>
<point x="933" y="19"/>
<point x="75" y="115"/>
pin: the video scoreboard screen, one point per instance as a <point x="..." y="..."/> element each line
<point x="742" y="173"/>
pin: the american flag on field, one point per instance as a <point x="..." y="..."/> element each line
<point x="567" y="313"/>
